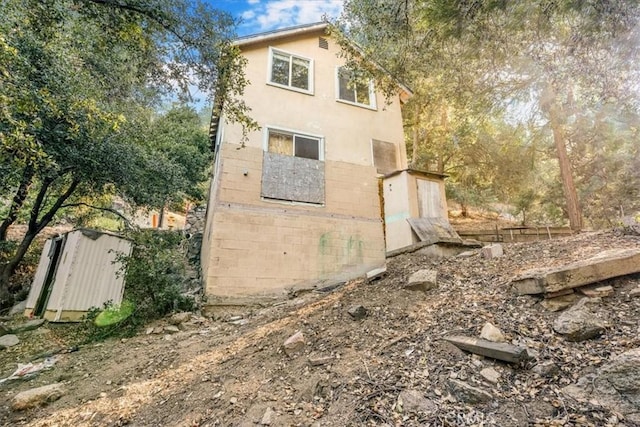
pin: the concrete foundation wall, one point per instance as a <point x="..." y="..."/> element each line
<point x="261" y="248"/>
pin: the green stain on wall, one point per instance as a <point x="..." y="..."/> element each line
<point x="336" y="251"/>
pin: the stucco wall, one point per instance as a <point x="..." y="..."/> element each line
<point x="257" y="247"/>
<point x="347" y="129"/>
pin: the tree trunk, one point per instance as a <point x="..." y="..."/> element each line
<point x="18" y="201"/>
<point x="570" y="194"/>
<point x="35" y="226"/>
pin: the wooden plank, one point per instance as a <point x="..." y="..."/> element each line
<point x="495" y="350"/>
<point x="433" y="230"/>
<point x="606" y="265"/>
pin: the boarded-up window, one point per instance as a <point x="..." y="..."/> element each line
<point x="292" y="168"/>
<point x="384" y="157"/>
<point x="292" y="178"/>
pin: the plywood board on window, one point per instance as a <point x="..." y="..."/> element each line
<point x="292" y="178"/>
<point x="384" y="156"/>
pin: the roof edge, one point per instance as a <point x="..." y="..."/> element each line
<point x="280" y="33"/>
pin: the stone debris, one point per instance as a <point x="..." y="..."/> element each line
<point x="468" y="393"/>
<point x="179" y="318"/>
<point x="616" y="386"/>
<point x="8" y="340"/>
<point x="18" y="308"/>
<point x="171" y="329"/>
<point x="414" y="401"/>
<point x="546" y="369"/>
<point x="559" y="303"/>
<point x="357" y="312"/>
<point x="580" y="322"/>
<point x="490" y="375"/>
<point x="492" y="251"/>
<point x="633" y="293"/>
<point x="597" y="291"/>
<point x="4" y="330"/>
<point x="37" y="396"/>
<point x="320" y="360"/>
<point x="491" y="333"/>
<point x="294" y="344"/>
<point x="27" y="326"/>
<point x="267" y="418"/>
<point x="422" y="280"/>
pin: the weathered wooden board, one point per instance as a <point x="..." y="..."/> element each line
<point x="495" y="350"/>
<point x="433" y="230"/>
<point x="606" y="265"/>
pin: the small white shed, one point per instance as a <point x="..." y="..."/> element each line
<point x="77" y="270"/>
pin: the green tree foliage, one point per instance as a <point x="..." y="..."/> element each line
<point x="79" y="80"/>
<point x="554" y="71"/>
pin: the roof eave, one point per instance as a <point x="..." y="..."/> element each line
<point x="279" y="34"/>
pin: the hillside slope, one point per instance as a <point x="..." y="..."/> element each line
<point x="390" y="368"/>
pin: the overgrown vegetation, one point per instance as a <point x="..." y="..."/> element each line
<point x="154" y="277"/>
<point x="533" y="104"/>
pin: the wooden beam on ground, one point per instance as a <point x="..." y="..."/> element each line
<point x="606" y="265"/>
<point x="495" y="350"/>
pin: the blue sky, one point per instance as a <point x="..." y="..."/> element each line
<point x="264" y="15"/>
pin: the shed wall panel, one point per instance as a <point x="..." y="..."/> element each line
<point x="40" y="276"/>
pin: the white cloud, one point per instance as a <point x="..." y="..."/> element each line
<point x="274" y="14"/>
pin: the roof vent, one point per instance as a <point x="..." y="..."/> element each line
<point x="323" y="43"/>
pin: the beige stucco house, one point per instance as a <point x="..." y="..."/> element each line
<point x="300" y="203"/>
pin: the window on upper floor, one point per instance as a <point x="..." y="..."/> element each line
<point x="355" y="88"/>
<point x="290" y="71"/>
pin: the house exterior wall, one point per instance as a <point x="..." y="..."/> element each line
<point x="256" y="248"/>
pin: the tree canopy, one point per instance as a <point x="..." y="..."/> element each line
<point x="81" y="82"/>
<point x="504" y="88"/>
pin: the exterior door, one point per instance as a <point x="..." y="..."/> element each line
<point x="429" y="199"/>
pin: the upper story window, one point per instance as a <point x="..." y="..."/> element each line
<point x="354" y="88"/>
<point x="290" y="71"/>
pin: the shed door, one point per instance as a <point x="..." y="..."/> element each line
<point x="429" y="199"/>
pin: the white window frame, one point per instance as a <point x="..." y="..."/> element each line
<point x="372" y="93"/>
<point x="294" y="133"/>
<point x="273" y="50"/>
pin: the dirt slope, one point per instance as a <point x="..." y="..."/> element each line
<point x="215" y="373"/>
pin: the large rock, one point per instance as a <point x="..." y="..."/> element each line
<point x="414" y="401"/>
<point x="492" y="251"/>
<point x="491" y="333"/>
<point x="467" y="393"/>
<point x="28" y="326"/>
<point x="294" y="344"/>
<point x="8" y="340"/>
<point x="615" y="386"/>
<point x="357" y="312"/>
<point x="580" y="322"/>
<point x="37" y="396"/>
<point x="422" y="280"/>
<point x="18" y="308"/>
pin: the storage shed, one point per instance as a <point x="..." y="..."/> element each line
<point x="77" y="270"/>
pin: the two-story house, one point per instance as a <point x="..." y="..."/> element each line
<point x="300" y="202"/>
